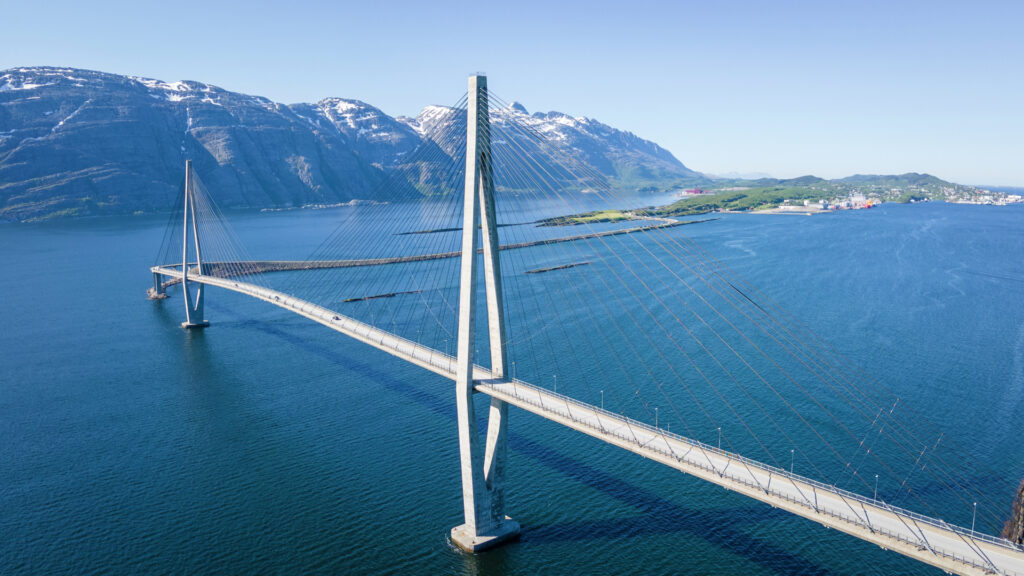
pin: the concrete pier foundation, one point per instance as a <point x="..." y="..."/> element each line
<point x="476" y="541"/>
<point x="157" y="292"/>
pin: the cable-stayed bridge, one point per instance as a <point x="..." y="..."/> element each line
<point x="627" y="308"/>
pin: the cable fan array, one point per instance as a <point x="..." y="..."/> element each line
<point x="619" y="308"/>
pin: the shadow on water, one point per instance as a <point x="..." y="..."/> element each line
<point x="221" y="409"/>
<point x="167" y="311"/>
<point x="659" y="515"/>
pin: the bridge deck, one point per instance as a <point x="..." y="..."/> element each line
<point x="928" y="540"/>
<point x="249" y="267"/>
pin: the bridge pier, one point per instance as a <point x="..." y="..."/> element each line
<point x="483" y="495"/>
<point x="193" y="305"/>
<point x="157" y="292"/>
<point x="482" y="460"/>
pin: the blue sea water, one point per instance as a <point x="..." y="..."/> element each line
<point x="267" y="444"/>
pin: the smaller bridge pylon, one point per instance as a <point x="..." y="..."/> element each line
<point x="193" y="304"/>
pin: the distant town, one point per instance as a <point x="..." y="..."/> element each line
<point x="805" y="195"/>
<point x="835" y="196"/>
<point x="810" y="194"/>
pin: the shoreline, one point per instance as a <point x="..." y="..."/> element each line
<point x="248" y="210"/>
<point x="813" y="211"/>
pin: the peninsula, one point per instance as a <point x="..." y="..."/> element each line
<point x="804" y="195"/>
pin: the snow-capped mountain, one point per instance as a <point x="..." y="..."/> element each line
<point x="616" y="154"/>
<point x="77" y="142"/>
<point x="374" y="135"/>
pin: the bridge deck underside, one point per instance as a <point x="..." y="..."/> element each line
<point x="928" y="540"/>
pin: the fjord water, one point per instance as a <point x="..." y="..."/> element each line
<point x="270" y="444"/>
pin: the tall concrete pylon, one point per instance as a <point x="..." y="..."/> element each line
<point x="193" y="306"/>
<point x="482" y="460"/>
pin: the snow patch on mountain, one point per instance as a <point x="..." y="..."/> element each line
<point x="360" y="120"/>
<point x="12" y="84"/>
<point x="72" y="115"/>
<point x="429" y="119"/>
<point x="180" y="90"/>
<point x="34" y="78"/>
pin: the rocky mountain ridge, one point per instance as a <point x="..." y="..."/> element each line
<point x="77" y="142"/>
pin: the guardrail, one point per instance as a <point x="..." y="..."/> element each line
<point x="630" y="423"/>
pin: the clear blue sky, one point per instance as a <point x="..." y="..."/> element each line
<point x="788" y="88"/>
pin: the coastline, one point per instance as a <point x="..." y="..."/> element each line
<point x="814" y="210"/>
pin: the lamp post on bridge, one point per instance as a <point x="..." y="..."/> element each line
<point x="973" y="518"/>
<point x="792" y="459"/>
<point x="447" y="355"/>
<point x="602" y="399"/>
<point x="655" y="416"/>
<point x="719" y="437"/>
<point x="876" y="487"/>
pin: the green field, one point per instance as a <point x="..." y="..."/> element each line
<point x="742" y="200"/>
<point x="589" y="218"/>
<point x="768" y="193"/>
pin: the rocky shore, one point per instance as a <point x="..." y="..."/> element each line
<point x="1014" y="529"/>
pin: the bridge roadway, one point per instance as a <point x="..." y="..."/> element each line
<point x="929" y="540"/>
<point x="250" y="267"/>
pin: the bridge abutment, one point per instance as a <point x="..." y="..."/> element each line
<point x="157" y="292"/>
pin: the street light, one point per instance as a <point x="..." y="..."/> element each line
<point x="792" y="458"/>
<point x="655" y="416"/>
<point x="876" y="486"/>
<point x="973" y="518"/>
<point x="556" y="383"/>
<point x="602" y="399"/>
<point x="719" y="437"/>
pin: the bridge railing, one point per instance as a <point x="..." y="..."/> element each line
<point x="772" y="470"/>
